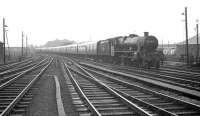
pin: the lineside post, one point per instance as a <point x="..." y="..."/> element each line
<point x="186" y="30"/>
<point x="4" y="42"/>
<point x="22" y="42"/>
<point x="197" y="57"/>
<point x="26" y="45"/>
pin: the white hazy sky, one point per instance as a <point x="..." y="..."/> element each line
<point x="83" y="20"/>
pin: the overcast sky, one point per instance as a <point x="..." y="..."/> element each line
<point x="84" y="20"/>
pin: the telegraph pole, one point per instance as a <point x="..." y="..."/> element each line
<point x="186" y="30"/>
<point x="22" y="42"/>
<point x="26" y="45"/>
<point x="4" y="42"/>
<point x="197" y="27"/>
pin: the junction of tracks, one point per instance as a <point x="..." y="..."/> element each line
<point x="53" y="85"/>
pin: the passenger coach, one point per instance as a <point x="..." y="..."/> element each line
<point x="135" y="50"/>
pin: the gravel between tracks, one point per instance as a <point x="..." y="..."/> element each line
<point x="44" y="103"/>
<point x="65" y="93"/>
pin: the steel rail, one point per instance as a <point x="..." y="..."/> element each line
<point x="4" y="67"/>
<point x="124" y="83"/>
<point x="123" y="99"/>
<point x="80" y="92"/>
<point x="176" y="75"/>
<point x="166" y="79"/>
<point x="17" y="69"/>
<point x="164" y="72"/>
<point x="184" y="82"/>
<point x="181" y="69"/>
<point x="20" y="96"/>
<point x="177" y="72"/>
<point x="161" y="111"/>
<point x="4" y="79"/>
<point x="21" y="74"/>
<point x="194" y="94"/>
<point x="172" y="70"/>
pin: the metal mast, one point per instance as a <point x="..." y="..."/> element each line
<point x="4" y="42"/>
<point x="186" y="30"/>
<point x="26" y="45"/>
<point x="197" y="27"/>
<point x="22" y="42"/>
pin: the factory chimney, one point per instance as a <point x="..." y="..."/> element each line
<point x="146" y="34"/>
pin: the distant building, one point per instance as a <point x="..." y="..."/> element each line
<point x="168" y="49"/>
<point x="192" y="47"/>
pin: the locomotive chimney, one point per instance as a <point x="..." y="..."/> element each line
<point x="146" y="33"/>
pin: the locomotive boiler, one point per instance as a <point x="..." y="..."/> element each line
<point x="133" y="49"/>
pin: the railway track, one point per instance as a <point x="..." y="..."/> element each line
<point x="151" y="101"/>
<point x="96" y="98"/>
<point x="16" y="93"/>
<point x="13" y="73"/>
<point x="9" y="74"/>
<point x="16" y="64"/>
<point x="182" y="67"/>
<point x="189" y="80"/>
<point x="20" y="67"/>
<point x="175" y="78"/>
<point x="162" y="87"/>
<point x="168" y="70"/>
<point x="181" y="70"/>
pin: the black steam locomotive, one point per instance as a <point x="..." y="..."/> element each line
<point x="140" y="51"/>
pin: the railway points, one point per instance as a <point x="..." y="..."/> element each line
<point x="79" y="96"/>
<point x="156" y="104"/>
<point x="192" y="93"/>
<point x="97" y="98"/>
<point x="107" y="58"/>
<point x="188" y="80"/>
<point x="143" y="79"/>
<point x="148" y="98"/>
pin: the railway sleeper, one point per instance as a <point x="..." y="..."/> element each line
<point x="92" y="93"/>
<point x="171" y="108"/>
<point x="18" y="111"/>
<point x="93" y="90"/>
<point x="100" y="98"/>
<point x="8" y="94"/>
<point x="77" y="102"/>
<point x="13" y="89"/>
<point x="186" y="113"/>
<point x="109" y="105"/>
<point x="5" y="97"/>
<point x="94" y="101"/>
<point x="98" y="95"/>
<point x="127" y="113"/>
<point x="116" y="108"/>
<point x="86" y="114"/>
<point x="134" y="93"/>
<point x="82" y="109"/>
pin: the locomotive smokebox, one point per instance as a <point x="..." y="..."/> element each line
<point x="146" y="34"/>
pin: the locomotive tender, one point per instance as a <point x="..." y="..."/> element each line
<point x="135" y="50"/>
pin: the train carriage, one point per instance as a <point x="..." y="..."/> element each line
<point x="71" y="49"/>
<point x="133" y="49"/>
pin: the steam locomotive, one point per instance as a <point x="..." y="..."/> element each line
<point x="140" y="51"/>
